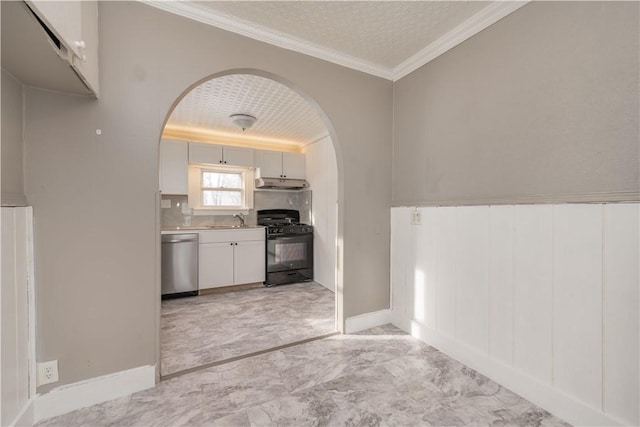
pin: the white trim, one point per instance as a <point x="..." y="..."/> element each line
<point x="96" y="390"/>
<point x="368" y="320"/>
<point x="478" y="22"/>
<point x="268" y="35"/>
<point x="544" y="395"/>
<point x="632" y="196"/>
<point x="472" y="26"/>
<point x="25" y="416"/>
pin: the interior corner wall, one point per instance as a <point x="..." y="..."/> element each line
<point x="542" y="106"/>
<point x="95" y="196"/>
<point x="322" y="174"/>
<point x="539" y="109"/>
<point x="12" y="191"/>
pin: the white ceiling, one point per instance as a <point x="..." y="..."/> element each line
<point x="384" y="33"/>
<point x="284" y="117"/>
<point x="389" y="39"/>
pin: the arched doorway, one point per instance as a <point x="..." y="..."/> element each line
<point x="328" y="214"/>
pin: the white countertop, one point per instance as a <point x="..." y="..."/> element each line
<point x="195" y="229"/>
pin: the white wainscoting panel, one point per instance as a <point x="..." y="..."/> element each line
<point x="532" y="291"/>
<point x="425" y="304"/>
<point x="577" y="301"/>
<point x="542" y="298"/>
<point x="472" y="297"/>
<point x="446" y="219"/>
<point x="501" y="241"/>
<point x="16" y="314"/>
<point x="620" y="311"/>
<point x="399" y="237"/>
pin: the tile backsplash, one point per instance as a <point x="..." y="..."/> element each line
<point x="262" y="199"/>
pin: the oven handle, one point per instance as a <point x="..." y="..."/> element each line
<point x="289" y="238"/>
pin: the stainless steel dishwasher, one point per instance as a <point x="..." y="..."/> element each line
<point x="179" y="265"/>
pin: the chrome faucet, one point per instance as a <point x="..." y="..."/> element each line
<point x="240" y="216"/>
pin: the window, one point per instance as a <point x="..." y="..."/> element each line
<point x="220" y="188"/>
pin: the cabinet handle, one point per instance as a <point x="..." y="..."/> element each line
<point x="285" y="176"/>
<point x="231" y="244"/>
<point x="219" y="161"/>
<point x="80" y="44"/>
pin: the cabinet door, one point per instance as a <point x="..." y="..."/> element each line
<point x="270" y="163"/>
<point x="293" y="165"/>
<point x="64" y="18"/>
<point x="205" y="153"/>
<point x="249" y="262"/>
<point x="86" y="65"/>
<point x="238" y="156"/>
<point x="215" y="267"/>
<point x="173" y="167"/>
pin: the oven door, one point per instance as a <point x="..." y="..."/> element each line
<point x="286" y="253"/>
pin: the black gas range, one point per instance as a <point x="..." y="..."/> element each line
<point x="289" y="247"/>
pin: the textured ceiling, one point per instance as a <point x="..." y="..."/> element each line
<point x="382" y="32"/>
<point x="283" y="116"/>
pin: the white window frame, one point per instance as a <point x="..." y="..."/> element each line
<point x="195" y="189"/>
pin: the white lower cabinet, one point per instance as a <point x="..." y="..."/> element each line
<point x="231" y="257"/>
<point x="215" y="265"/>
<point x="248" y="262"/>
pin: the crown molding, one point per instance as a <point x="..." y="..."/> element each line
<point x="267" y="35"/>
<point x="472" y="26"/>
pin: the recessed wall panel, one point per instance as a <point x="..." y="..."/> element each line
<point x="425" y="272"/>
<point x="577" y="301"/>
<point x="532" y="291"/>
<point x="620" y="311"/>
<point x="446" y="262"/>
<point x="501" y="283"/>
<point x="472" y="297"/>
<point x="399" y="238"/>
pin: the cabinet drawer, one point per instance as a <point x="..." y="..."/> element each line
<point x="234" y="235"/>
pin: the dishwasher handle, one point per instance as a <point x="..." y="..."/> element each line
<point x="179" y="238"/>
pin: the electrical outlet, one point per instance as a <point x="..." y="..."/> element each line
<point x="48" y="372"/>
<point x="416" y="217"/>
<point x="165" y="204"/>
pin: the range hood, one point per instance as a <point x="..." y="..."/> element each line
<point x="281" y="183"/>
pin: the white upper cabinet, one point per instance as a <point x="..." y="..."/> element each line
<point x="174" y="160"/>
<point x="275" y="164"/>
<point x="64" y="18"/>
<point x="75" y="25"/>
<point x="205" y="153"/>
<point x="270" y="163"/>
<point x="237" y="156"/>
<point x="293" y="165"/>
<point x="221" y="155"/>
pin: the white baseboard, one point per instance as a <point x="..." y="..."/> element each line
<point x="26" y="416"/>
<point x="368" y="320"/>
<point x="544" y="395"/>
<point x="82" y="394"/>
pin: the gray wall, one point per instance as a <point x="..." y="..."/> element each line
<point x="542" y="106"/>
<point x="95" y="196"/>
<point x="12" y="142"/>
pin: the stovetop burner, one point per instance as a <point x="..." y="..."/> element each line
<point x="282" y="221"/>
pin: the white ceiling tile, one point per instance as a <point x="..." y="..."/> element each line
<point x="382" y="32"/>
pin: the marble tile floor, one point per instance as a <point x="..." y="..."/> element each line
<point x="209" y="328"/>
<point x="381" y="376"/>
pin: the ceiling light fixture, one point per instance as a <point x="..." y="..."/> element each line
<point x="243" y="121"/>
